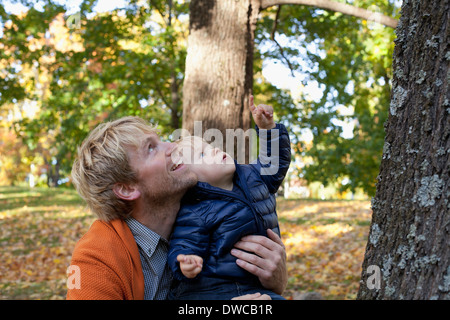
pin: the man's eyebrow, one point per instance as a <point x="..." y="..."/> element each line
<point x="147" y="141"/>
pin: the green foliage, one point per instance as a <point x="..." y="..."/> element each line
<point x="116" y="63"/>
<point x="130" y="61"/>
<point x="351" y="61"/>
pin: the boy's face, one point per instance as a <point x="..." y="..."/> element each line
<point x="211" y="165"/>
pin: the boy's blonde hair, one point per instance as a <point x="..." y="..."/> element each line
<point x="186" y="146"/>
<point x="190" y="141"/>
<point x="102" y="161"/>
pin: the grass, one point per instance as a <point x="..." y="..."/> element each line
<point x="325" y="242"/>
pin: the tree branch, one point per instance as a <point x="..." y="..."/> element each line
<point x="275" y="23"/>
<point x="272" y="37"/>
<point x="163" y="98"/>
<point x="152" y="3"/>
<point x="337" y="7"/>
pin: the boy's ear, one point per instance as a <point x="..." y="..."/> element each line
<point x="126" y="191"/>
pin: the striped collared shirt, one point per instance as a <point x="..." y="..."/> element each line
<point x="153" y="251"/>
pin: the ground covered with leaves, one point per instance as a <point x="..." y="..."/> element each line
<point x="325" y="243"/>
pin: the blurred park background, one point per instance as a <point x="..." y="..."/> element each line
<point x="66" y="66"/>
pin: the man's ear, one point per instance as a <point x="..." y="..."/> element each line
<point x="126" y="191"/>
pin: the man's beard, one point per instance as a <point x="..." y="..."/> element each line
<point x="163" y="194"/>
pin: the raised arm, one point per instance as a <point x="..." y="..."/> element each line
<point x="275" y="147"/>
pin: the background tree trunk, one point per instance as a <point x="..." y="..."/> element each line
<point x="409" y="235"/>
<point x="219" y="64"/>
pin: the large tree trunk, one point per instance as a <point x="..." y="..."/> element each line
<point x="219" y="64"/>
<point x="407" y="254"/>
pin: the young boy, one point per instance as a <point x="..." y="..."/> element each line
<point x="229" y="201"/>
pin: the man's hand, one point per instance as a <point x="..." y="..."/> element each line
<point x="262" y="114"/>
<point x="190" y="265"/>
<point x="268" y="261"/>
<point x="253" y="296"/>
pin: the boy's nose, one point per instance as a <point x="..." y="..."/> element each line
<point x="170" y="147"/>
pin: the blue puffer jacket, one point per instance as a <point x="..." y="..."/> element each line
<point x="211" y="220"/>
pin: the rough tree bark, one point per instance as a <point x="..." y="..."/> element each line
<point x="219" y="63"/>
<point x="409" y="235"/>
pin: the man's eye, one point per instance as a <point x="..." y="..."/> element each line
<point x="150" y="148"/>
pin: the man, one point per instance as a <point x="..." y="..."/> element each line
<point x="128" y="179"/>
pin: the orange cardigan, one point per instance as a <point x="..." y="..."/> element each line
<point x="109" y="264"/>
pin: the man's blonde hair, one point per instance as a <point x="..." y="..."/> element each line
<point x="102" y="161"/>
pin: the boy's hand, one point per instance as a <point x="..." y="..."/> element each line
<point x="190" y="265"/>
<point x="262" y="114"/>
